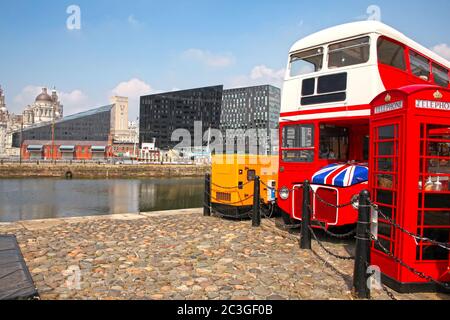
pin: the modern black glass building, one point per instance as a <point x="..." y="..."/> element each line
<point x="161" y="114"/>
<point x="92" y="125"/>
<point x="251" y="110"/>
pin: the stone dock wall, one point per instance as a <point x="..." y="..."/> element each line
<point x="100" y="171"/>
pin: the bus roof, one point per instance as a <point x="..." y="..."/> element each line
<point x="353" y="29"/>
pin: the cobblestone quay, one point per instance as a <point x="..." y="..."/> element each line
<point x="180" y="255"/>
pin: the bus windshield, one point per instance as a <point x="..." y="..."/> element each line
<point x="298" y="143"/>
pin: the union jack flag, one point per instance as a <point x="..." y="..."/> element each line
<point x="341" y="175"/>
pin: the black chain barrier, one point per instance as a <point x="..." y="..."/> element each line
<point x="403" y="264"/>
<point x="443" y="245"/>
<point x="327" y="250"/>
<point x="244" y="215"/>
<point x="340" y="206"/>
<point x="383" y="287"/>
<point x="231" y="188"/>
<point x="342" y="236"/>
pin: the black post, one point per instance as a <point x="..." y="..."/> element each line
<point x="362" y="254"/>
<point x="256" y="217"/>
<point x="207" y="197"/>
<point x="305" y="240"/>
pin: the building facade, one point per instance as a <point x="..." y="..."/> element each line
<point x="4" y="119"/>
<point x="251" y="113"/>
<point x="65" y="150"/>
<point x="92" y="125"/>
<point x="161" y="114"/>
<point x="46" y="108"/>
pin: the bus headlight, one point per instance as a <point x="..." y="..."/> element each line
<point x="284" y="193"/>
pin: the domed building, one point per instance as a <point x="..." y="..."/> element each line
<point x="45" y="108"/>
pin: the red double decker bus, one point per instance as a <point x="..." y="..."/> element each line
<point x="332" y="76"/>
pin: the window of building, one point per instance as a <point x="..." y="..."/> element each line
<point x="349" y="53"/>
<point x="440" y="75"/>
<point x="391" y="54"/>
<point x="420" y="66"/>
<point x="306" y="62"/>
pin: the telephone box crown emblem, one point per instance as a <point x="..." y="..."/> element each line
<point x="438" y="95"/>
<point x="388" y="98"/>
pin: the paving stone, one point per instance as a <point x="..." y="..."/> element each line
<point x="182" y="257"/>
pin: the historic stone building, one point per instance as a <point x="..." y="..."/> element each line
<point x="4" y="118"/>
<point x="45" y="108"/>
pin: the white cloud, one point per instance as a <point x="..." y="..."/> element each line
<point x="133" y="21"/>
<point x="260" y="75"/>
<point x="442" y="50"/>
<point x="133" y="89"/>
<point x="208" y="58"/>
<point x="74" y="101"/>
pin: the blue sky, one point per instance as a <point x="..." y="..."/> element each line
<point x="136" y="47"/>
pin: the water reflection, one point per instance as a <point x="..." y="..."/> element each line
<point x="25" y="199"/>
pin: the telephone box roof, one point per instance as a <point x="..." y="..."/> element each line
<point x="408" y="90"/>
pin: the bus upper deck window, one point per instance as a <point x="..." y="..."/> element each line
<point x="349" y="53"/>
<point x="391" y="54"/>
<point x="420" y="66"/>
<point x="440" y="76"/>
<point x="306" y="62"/>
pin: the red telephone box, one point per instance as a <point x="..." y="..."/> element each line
<point x="409" y="181"/>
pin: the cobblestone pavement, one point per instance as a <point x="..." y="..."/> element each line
<point x="180" y="255"/>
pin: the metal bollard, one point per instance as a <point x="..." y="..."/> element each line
<point x="305" y="237"/>
<point x="256" y="217"/>
<point x="362" y="254"/>
<point x="207" y="196"/>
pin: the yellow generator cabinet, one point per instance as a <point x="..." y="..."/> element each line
<point x="232" y="179"/>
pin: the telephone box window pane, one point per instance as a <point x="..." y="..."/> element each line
<point x="386" y="211"/>
<point x="385" y="229"/>
<point x="385" y="164"/>
<point x="385" y="197"/>
<point x="437" y="218"/>
<point x="440" y="235"/>
<point x="437" y="201"/>
<point x="385" y="181"/>
<point x="386" y="148"/>
<point x="387" y="132"/>
<point x="434" y="253"/>
<point x="385" y="243"/>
